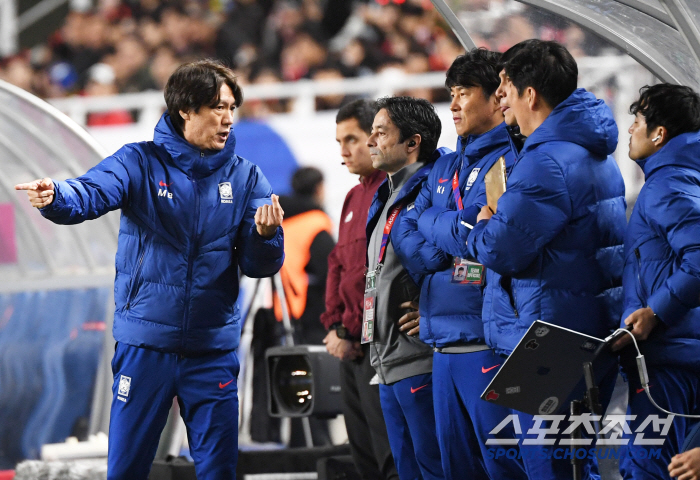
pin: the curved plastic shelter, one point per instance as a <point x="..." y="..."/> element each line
<point x="662" y="35"/>
<point x="55" y="283"/>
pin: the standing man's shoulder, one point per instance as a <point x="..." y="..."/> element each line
<point x="356" y="207"/>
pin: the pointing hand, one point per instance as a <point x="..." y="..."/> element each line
<point x="40" y="191"/>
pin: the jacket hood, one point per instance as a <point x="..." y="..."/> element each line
<point x="581" y="119"/>
<point x="186" y="156"/>
<point x="478" y="146"/>
<point x="681" y="151"/>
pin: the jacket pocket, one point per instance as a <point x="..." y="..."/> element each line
<point x="509" y="289"/>
<point x="136" y="277"/>
<point x="641" y="288"/>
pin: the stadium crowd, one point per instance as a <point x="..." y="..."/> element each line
<point x="124" y="46"/>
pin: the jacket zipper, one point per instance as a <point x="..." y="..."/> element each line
<point x="190" y="261"/>
<point x="642" y="290"/>
<point x="515" y="299"/>
<point x="137" y="275"/>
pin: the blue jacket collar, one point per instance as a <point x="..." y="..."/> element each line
<point x="475" y="147"/>
<point x="187" y="157"/>
<point x="681" y="151"/>
<point x="581" y="119"/>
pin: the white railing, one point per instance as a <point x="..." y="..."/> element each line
<point x="150" y="105"/>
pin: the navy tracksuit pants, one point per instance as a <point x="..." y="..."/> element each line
<point x="675" y="390"/>
<point x="410" y="422"/>
<point x="145" y="383"/>
<point x="464" y="420"/>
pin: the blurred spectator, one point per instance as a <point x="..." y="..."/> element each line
<point x="162" y="65"/>
<point x="244" y="24"/>
<point x="130" y="64"/>
<point x="328" y="102"/>
<point x="254" y="108"/>
<point x="19" y="72"/>
<point x="273" y="40"/>
<point x="101" y="81"/>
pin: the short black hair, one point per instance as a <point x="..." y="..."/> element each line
<point x="306" y="180"/>
<point x="362" y="110"/>
<point x="476" y="68"/>
<point x="198" y="84"/>
<point x="546" y="66"/>
<point x="414" y="116"/>
<point x="674" y="107"/>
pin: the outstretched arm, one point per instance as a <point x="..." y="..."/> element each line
<point x="101" y="189"/>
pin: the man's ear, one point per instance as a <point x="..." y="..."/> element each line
<point x="184" y="115"/>
<point x="413" y="143"/>
<point x="659" y="136"/>
<point x="533" y="98"/>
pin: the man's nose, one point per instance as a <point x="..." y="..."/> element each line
<point x="501" y="91"/>
<point x="370" y="140"/>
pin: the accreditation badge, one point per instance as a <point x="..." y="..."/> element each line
<point x="466" y="272"/>
<point x="368" y="307"/>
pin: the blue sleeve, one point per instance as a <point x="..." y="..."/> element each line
<point x="449" y="229"/>
<point x="259" y="257"/>
<point x="101" y="189"/>
<point x="535" y="207"/>
<point x="674" y="214"/>
<point x="418" y="255"/>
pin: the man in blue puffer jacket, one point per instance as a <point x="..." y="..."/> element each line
<point x="555" y="243"/>
<point x="192" y="213"/>
<point x="662" y="270"/>
<point x="432" y="242"/>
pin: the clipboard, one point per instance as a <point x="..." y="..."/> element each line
<point x="495" y="181"/>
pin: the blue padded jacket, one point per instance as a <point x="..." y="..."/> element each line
<point x="433" y="231"/>
<point x="662" y="253"/>
<point x="555" y="245"/>
<point x="187" y="224"/>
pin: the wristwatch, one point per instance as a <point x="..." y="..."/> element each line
<point x="341" y="331"/>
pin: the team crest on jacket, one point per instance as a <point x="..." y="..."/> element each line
<point x="226" y="192"/>
<point x="124" y="385"/>
<point x="472" y="178"/>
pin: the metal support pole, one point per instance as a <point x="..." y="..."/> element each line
<point x="9" y="33"/>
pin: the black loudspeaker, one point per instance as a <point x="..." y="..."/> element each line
<point x="301" y="381"/>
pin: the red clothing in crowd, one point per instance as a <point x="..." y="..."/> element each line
<point x="345" y="286"/>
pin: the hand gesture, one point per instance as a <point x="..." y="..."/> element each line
<point x="411" y="320"/>
<point x="268" y="218"/>
<point x="341" y="348"/>
<point x="40" y="191"/>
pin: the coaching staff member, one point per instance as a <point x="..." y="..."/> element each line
<point x="369" y="442"/>
<point x="555" y="243"/>
<point x="193" y="212"/>
<point x="662" y="271"/>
